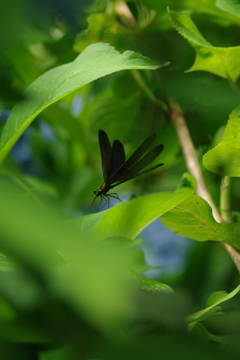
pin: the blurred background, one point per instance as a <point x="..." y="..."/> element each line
<point x="57" y="160"/>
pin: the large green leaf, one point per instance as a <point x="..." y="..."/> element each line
<point x="217" y="60"/>
<point x="193" y="218"/>
<point x="223" y="159"/>
<point x="128" y="219"/>
<point x="55" y="265"/>
<point x="95" y="61"/>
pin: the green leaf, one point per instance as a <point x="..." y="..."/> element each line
<point x="217" y="60"/>
<point x="230" y="6"/>
<point x="156" y="5"/>
<point x="193" y="218"/>
<point x="135" y="214"/>
<point x="223" y="159"/>
<point x="218" y="338"/>
<point x="55" y="266"/>
<point x="221" y="296"/>
<point x="205" y="335"/>
<point x="134" y="253"/>
<point x="186" y="27"/>
<point x="201" y="316"/>
<point x="210" y="8"/>
<point x="4" y="262"/>
<point x="94" y="62"/>
<point x="59" y="354"/>
<point x="25" y="300"/>
<point x="101" y="27"/>
<point x="137" y="260"/>
<point x="215" y="299"/>
<point x="108" y="107"/>
<point x="150" y="285"/>
<point x="201" y="332"/>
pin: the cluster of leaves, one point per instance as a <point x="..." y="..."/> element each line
<point x="74" y="289"/>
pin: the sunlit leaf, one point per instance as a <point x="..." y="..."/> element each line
<point x="221" y="61"/>
<point x="223" y="159"/>
<point x="95" y="61"/>
<point x="211" y="8"/>
<point x="193" y="218"/>
<point x="216" y="297"/>
<point x="135" y="214"/>
<point x="150" y="285"/>
<point x="57" y="264"/>
<point x="230" y="6"/>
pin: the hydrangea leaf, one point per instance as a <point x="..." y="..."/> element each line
<point x="224" y="159"/>
<point x="193" y="218"/>
<point x="221" y="61"/>
<point x="94" y="62"/>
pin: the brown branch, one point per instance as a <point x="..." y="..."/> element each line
<point x="125" y="14"/>
<point x="193" y="167"/>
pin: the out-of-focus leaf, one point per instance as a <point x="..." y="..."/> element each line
<point x="137" y="264"/>
<point x="10" y="351"/>
<point x="201" y="332"/>
<point x="210" y="8"/>
<point x="111" y="107"/>
<point x="60" y="266"/>
<point x="230" y="6"/>
<point x="32" y="186"/>
<point x="150" y="285"/>
<point x="217" y="60"/>
<point x="59" y="354"/>
<point x="215" y="299"/>
<point x="4" y="262"/>
<point x="101" y="27"/>
<point x="134" y="253"/>
<point x="157" y="5"/>
<point x="20" y="289"/>
<point x="58" y="116"/>
<point x="223" y="159"/>
<point x="95" y="61"/>
<point x="193" y="218"/>
<point x="135" y="214"/>
<point x="218" y="338"/>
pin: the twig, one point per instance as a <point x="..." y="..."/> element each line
<point x="148" y="92"/>
<point x="194" y="168"/>
<point x="125" y="14"/>
<point x="225" y="203"/>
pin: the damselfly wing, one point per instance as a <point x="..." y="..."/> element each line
<point x="117" y="170"/>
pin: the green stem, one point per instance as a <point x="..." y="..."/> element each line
<point x="234" y="87"/>
<point x="225" y="202"/>
<point x="148" y="92"/>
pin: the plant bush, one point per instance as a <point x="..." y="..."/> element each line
<point x="73" y="281"/>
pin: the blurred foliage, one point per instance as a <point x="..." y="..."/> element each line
<point x="71" y="284"/>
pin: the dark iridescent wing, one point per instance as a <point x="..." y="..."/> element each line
<point x="117" y="158"/>
<point x="140" y="165"/>
<point x="106" y="151"/>
<point x="132" y="160"/>
<point x="138" y="174"/>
